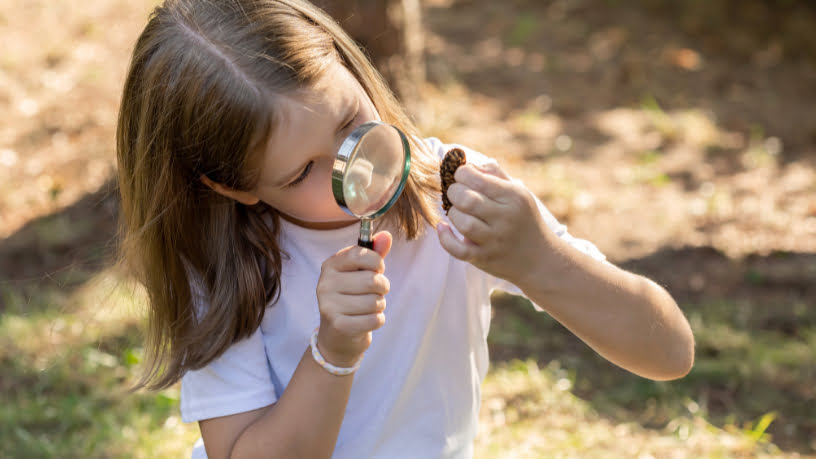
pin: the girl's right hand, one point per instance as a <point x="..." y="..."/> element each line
<point x="351" y="295"/>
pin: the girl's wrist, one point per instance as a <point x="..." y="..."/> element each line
<point x="552" y="268"/>
<point x="335" y="366"/>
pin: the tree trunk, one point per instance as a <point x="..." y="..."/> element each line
<point x="391" y="33"/>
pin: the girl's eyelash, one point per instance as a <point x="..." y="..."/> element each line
<point x="302" y="176"/>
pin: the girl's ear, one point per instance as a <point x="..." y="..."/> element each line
<point x="244" y="197"/>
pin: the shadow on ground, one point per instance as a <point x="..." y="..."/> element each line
<point x="747" y="64"/>
<point x="755" y="329"/>
<point x="58" y="252"/>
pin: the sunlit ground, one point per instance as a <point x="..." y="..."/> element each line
<point x="683" y="154"/>
<point x="67" y="360"/>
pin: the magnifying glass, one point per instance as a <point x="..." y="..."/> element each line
<point x="370" y="172"/>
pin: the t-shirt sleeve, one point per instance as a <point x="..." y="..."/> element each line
<point x="237" y="381"/>
<point x="560" y="230"/>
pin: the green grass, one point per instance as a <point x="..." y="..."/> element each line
<point x="532" y="412"/>
<point x="66" y="369"/>
<point x="749" y="379"/>
<point x="67" y="359"/>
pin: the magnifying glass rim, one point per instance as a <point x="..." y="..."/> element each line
<point x="341" y="163"/>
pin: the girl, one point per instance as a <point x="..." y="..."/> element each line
<point x="260" y="302"/>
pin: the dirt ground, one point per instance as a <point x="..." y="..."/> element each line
<point x="680" y="138"/>
<point x="642" y="127"/>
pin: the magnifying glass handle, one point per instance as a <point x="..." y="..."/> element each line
<point x="365" y="234"/>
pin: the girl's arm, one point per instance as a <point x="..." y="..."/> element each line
<point x="306" y="419"/>
<point x="304" y="422"/>
<point x="625" y="317"/>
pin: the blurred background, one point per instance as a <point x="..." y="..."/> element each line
<point x="680" y="137"/>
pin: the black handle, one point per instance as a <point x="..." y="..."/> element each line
<point x="366" y="244"/>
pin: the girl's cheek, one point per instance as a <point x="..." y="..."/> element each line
<point x="316" y="201"/>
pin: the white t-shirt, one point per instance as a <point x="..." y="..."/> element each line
<point x="417" y="392"/>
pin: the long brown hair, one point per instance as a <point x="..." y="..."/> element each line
<point x="197" y="101"/>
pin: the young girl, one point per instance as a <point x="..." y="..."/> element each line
<point x="260" y="301"/>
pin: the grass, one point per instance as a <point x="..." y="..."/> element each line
<point x="751" y="383"/>
<point x="66" y="360"/>
<point x="65" y="371"/>
<point x="532" y="413"/>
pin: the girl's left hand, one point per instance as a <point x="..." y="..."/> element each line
<point x="504" y="233"/>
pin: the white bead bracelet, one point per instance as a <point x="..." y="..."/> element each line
<point x="337" y="371"/>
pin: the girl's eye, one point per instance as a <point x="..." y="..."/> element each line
<point x="302" y="175"/>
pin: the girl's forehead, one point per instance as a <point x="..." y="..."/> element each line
<point x="335" y="81"/>
<point x="304" y="116"/>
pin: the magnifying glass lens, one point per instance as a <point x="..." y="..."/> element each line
<point x="374" y="171"/>
<point x="370" y="172"/>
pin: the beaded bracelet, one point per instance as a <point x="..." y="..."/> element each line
<point x="337" y="371"/>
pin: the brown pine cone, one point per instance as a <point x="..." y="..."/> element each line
<point x="452" y="160"/>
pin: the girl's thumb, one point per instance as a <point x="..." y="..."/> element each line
<point x="382" y="243"/>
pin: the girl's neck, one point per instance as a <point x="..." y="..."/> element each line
<point x="318" y="225"/>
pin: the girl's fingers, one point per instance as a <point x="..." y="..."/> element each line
<point x="493" y="168"/>
<point x="356" y="325"/>
<point x="488" y="180"/>
<point x="471" y="201"/>
<point x="362" y="282"/>
<point x="471" y="227"/>
<point x="355" y="258"/>
<point x="462" y="250"/>
<point x="360" y="305"/>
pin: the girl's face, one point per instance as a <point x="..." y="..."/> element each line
<point x="296" y="167"/>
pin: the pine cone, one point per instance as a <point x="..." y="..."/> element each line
<point x="453" y="159"/>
